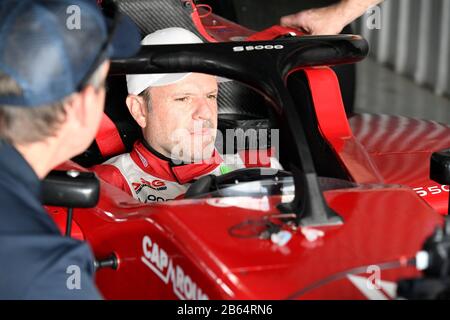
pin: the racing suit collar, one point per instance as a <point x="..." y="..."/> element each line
<point x="158" y="165"/>
<point x="156" y="153"/>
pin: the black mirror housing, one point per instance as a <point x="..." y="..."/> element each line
<point x="440" y="166"/>
<point x="71" y="189"/>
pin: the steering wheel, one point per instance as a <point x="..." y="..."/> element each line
<point x="211" y="182"/>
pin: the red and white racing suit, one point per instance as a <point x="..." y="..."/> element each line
<point x="149" y="176"/>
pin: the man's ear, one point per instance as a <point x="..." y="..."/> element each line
<point x="75" y="110"/>
<point x="138" y="109"/>
<point x="80" y="103"/>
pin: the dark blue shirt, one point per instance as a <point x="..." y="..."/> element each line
<point x="36" y="261"/>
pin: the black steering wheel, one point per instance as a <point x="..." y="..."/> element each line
<point x="211" y="182"/>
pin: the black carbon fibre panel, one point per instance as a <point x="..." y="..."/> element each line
<point x="152" y="15"/>
<point x="235" y="98"/>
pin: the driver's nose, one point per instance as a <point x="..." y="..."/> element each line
<point x="203" y="109"/>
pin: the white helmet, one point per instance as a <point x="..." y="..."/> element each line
<point x="137" y="83"/>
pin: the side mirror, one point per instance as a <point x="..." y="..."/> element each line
<point x="70" y="189"/>
<point x="440" y="168"/>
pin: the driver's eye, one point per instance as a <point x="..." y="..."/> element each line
<point x="212" y="96"/>
<point x="182" y="99"/>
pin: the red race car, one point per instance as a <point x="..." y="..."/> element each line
<point x="349" y="218"/>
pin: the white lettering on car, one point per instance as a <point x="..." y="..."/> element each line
<point x="432" y="190"/>
<point x="156" y="258"/>
<point x="258" y="47"/>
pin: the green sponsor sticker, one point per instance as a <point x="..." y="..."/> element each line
<point x="224" y="169"/>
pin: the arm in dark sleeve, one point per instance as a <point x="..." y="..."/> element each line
<point x="46" y="267"/>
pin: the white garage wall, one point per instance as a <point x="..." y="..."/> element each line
<point x="413" y="39"/>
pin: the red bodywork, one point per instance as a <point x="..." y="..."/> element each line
<point x="183" y="249"/>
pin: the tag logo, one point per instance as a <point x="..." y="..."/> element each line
<point x="157" y="185"/>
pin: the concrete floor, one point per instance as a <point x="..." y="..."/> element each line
<point x="380" y="90"/>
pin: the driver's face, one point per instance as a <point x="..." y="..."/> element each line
<point x="182" y="121"/>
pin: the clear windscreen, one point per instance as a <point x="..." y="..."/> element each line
<point x="273" y="186"/>
<point x="266" y="187"/>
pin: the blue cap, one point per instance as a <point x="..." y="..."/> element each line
<point x="52" y="47"/>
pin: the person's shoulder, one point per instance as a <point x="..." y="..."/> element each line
<point x="116" y="160"/>
<point x="113" y="171"/>
<point x="46" y="266"/>
<point x="111" y="167"/>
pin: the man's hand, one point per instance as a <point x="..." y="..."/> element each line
<point x="328" y="20"/>
<point x="321" y="21"/>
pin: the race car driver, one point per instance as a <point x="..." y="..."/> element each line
<point x="51" y="103"/>
<point x="178" y="116"/>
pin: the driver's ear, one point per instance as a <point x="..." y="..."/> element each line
<point x="138" y="109"/>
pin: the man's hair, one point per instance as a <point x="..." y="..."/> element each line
<point x="24" y="125"/>
<point x="147" y="98"/>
